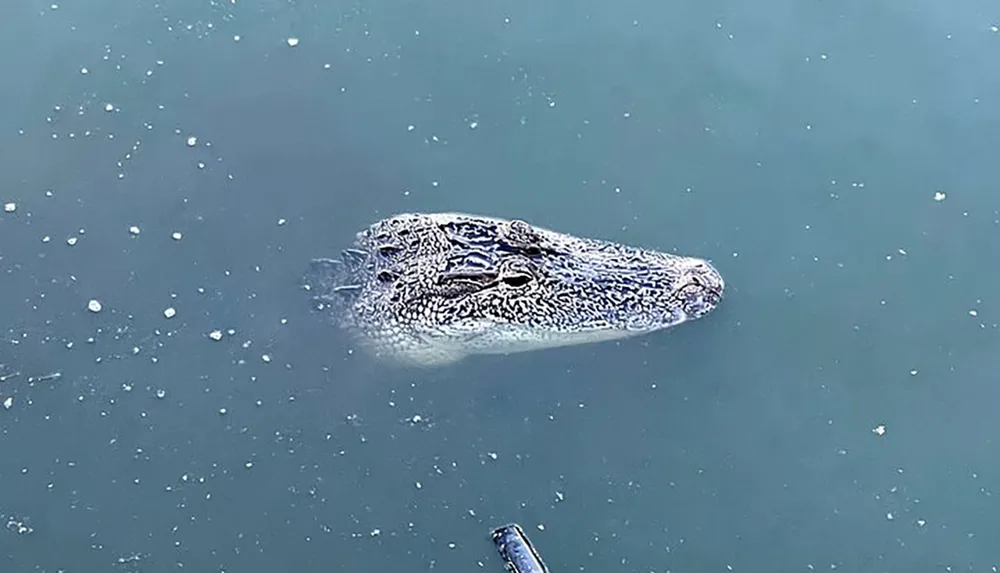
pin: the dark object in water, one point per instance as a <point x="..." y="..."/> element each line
<point x="515" y="548"/>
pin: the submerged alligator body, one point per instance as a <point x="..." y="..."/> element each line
<point x="431" y="289"/>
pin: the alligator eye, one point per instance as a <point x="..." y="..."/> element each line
<point x="388" y="250"/>
<point x="387" y="276"/>
<point x="517" y="280"/>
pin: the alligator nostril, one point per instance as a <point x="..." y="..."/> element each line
<point x="704" y="275"/>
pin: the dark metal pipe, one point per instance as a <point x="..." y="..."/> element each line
<point x="516" y="550"/>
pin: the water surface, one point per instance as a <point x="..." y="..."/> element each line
<point x="834" y="160"/>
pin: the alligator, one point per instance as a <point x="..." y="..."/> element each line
<point x="430" y="289"/>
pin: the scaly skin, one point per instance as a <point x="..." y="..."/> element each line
<point x="431" y="289"/>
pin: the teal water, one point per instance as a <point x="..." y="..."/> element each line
<point x="835" y="160"/>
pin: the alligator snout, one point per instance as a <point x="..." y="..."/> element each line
<point x="702" y="291"/>
<point x="705" y="275"/>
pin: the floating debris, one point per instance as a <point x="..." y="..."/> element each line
<point x="292" y="42"/>
<point x="170" y="312"/>
<point x="10" y="207"/>
<point x="940" y="196"/>
<point x="879" y="430"/>
<point x="19" y="526"/>
<point x="94" y="305"/>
